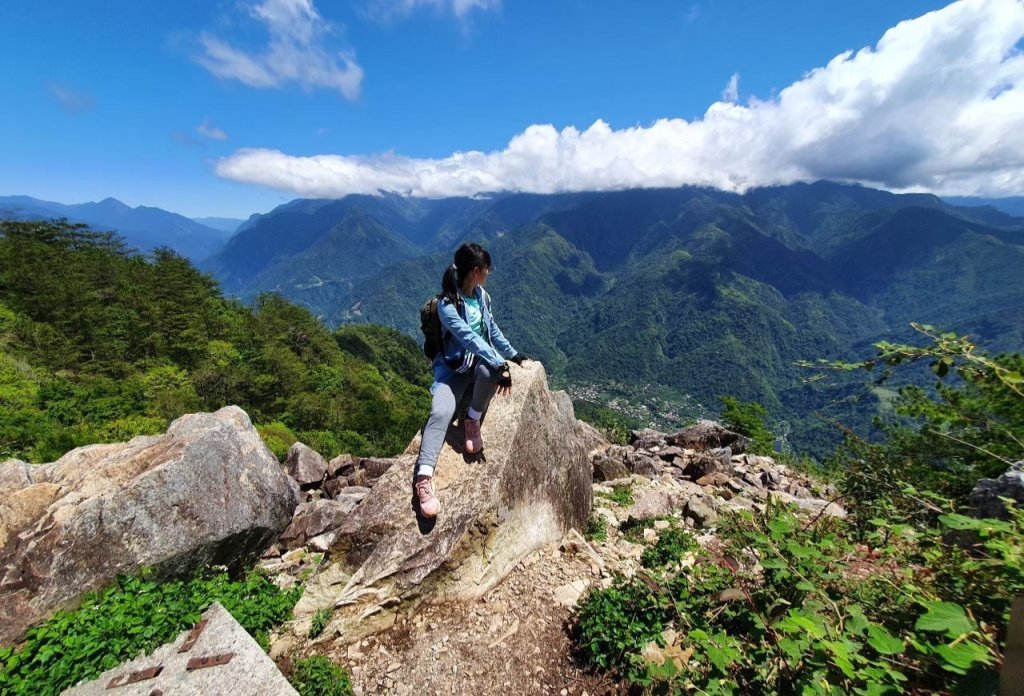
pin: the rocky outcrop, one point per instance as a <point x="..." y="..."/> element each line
<point x="704" y="475"/>
<point x="985" y="497"/>
<point x="533" y="486"/>
<point x="206" y="492"/>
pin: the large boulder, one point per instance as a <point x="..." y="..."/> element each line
<point x="534" y="486"/>
<point x="313" y="519"/>
<point x="305" y="465"/>
<point x="985" y="497"/>
<point x="706" y="435"/>
<point x="206" y="492"/>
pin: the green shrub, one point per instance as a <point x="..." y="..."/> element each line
<point x="672" y="545"/>
<point x="320" y="620"/>
<point x="277" y="437"/>
<point x="133" y="616"/>
<point x="318" y="676"/>
<point x="620" y="495"/>
<point x="597" y="528"/>
<point x="613" y="425"/>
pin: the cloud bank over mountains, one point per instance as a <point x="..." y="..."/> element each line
<point x="936" y="105"/>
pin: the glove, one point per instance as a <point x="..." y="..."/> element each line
<point x="519" y="358"/>
<point x="504" y="377"/>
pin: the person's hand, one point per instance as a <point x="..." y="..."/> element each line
<point x="519" y="358"/>
<point x="504" y="379"/>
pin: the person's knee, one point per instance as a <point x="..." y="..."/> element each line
<point x="442" y="411"/>
<point x="486" y="373"/>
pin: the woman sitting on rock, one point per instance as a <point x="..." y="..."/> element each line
<point x="473" y="355"/>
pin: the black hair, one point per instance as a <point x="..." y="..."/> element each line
<point x="467" y="257"/>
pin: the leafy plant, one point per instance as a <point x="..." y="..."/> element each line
<point x="133" y="616"/>
<point x="789" y="605"/>
<point x="597" y="528"/>
<point x="320" y="621"/>
<point x="672" y="546"/>
<point x="969" y="427"/>
<point x="318" y="676"/>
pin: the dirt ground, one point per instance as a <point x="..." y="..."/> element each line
<point x="514" y="638"/>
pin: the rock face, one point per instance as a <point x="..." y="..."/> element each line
<point x="533" y="487"/>
<point x="985" y="497"/>
<point x="249" y="672"/>
<point x="206" y="492"/>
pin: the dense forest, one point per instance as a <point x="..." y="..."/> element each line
<point x="99" y="344"/>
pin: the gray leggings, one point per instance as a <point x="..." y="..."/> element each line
<point x="447" y="395"/>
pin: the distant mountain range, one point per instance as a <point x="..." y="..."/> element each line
<point x="694" y="292"/>
<point x="673" y="297"/>
<point x="1013" y="205"/>
<point x="229" y="225"/>
<point x="143" y="228"/>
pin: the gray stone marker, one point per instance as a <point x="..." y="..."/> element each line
<point x="217" y="657"/>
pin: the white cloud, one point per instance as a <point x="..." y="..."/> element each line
<point x="731" y="93"/>
<point x="73" y="102"/>
<point x="937" y="105"/>
<point x="296" y="52"/>
<point x="389" y="9"/>
<point x="208" y="130"/>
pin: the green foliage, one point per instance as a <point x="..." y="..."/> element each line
<point x="97" y="344"/>
<point x="748" y="418"/>
<point x="613" y="425"/>
<point x="318" y="676"/>
<point x="672" y="545"/>
<point x="320" y="620"/>
<point x="896" y="616"/>
<point x="969" y="427"/>
<point x="597" y="528"/>
<point x="132" y="616"/>
<point x="277" y="437"/>
<point x="620" y="495"/>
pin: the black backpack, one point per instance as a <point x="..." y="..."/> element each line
<point x="430" y="325"/>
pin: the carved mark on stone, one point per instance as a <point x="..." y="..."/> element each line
<point x="132" y="678"/>
<point x="208" y="661"/>
<point x="192" y="637"/>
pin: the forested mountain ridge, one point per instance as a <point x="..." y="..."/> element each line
<point x="99" y="345"/>
<point x="144" y="228"/>
<point x="696" y="291"/>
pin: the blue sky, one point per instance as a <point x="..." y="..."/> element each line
<point x="229" y="108"/>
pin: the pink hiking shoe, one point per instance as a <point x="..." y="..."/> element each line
<point x="474" y="441"/>
<point x="429" y="504"/>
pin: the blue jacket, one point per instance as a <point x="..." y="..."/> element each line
<point x="493" y="348"/>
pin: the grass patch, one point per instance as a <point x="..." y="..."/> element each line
<point x="318" y="676"/>
<point x="597" y="528"/>
<point x="620" y="495"/>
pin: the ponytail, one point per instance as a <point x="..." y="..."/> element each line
<point x="450" y="285"/>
